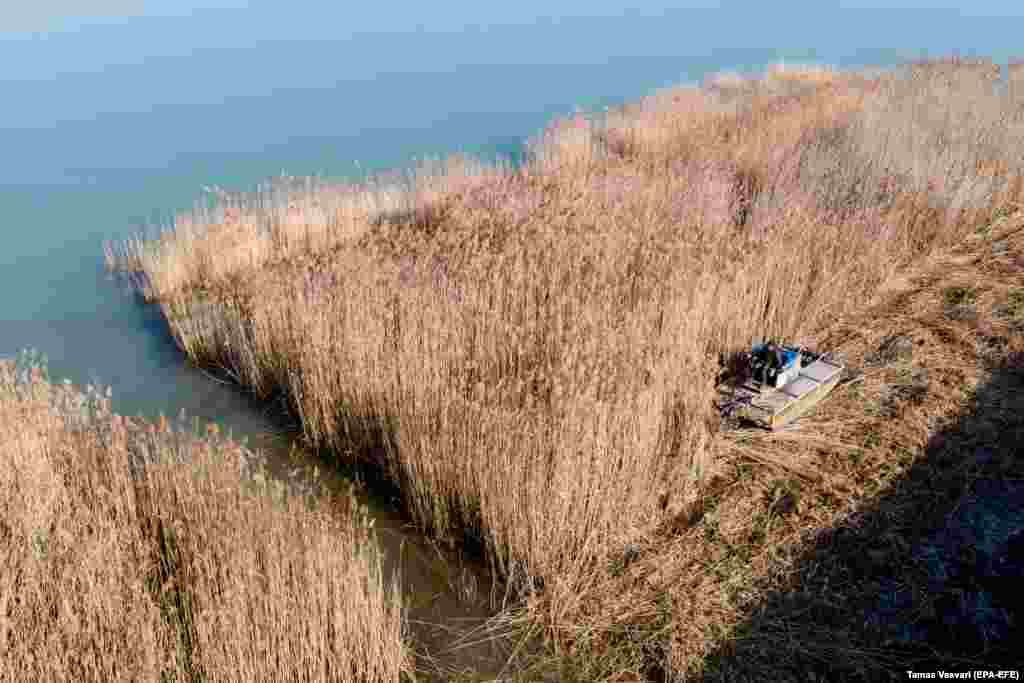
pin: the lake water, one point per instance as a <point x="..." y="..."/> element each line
<point x="118" y="124"/>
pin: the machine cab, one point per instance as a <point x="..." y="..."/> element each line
<point x="774" y="365"/>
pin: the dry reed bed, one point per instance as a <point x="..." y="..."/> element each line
<point x="725" y="590"/>
<point x="531" y="352"/>
<point x="784" y="564"/>
<point x="133" y="552"/>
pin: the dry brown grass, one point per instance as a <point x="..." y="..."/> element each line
<point x="531" y="353"/>
<point x="828" y="515"/>
<point x="133" y="552"/>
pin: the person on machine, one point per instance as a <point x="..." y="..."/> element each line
<point x="774" y="361"/>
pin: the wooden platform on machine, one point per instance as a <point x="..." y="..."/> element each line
<point x="774" y="408"/>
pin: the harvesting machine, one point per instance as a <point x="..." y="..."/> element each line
<point x="774" y="384"/>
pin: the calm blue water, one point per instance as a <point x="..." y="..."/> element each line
<point x="109" y="123"/>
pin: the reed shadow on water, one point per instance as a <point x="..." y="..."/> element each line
<point x="449" y="593"/>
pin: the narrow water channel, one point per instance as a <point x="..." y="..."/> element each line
<point x="449" y="595"/>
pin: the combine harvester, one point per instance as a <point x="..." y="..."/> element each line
<point x="775" y="384"/>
